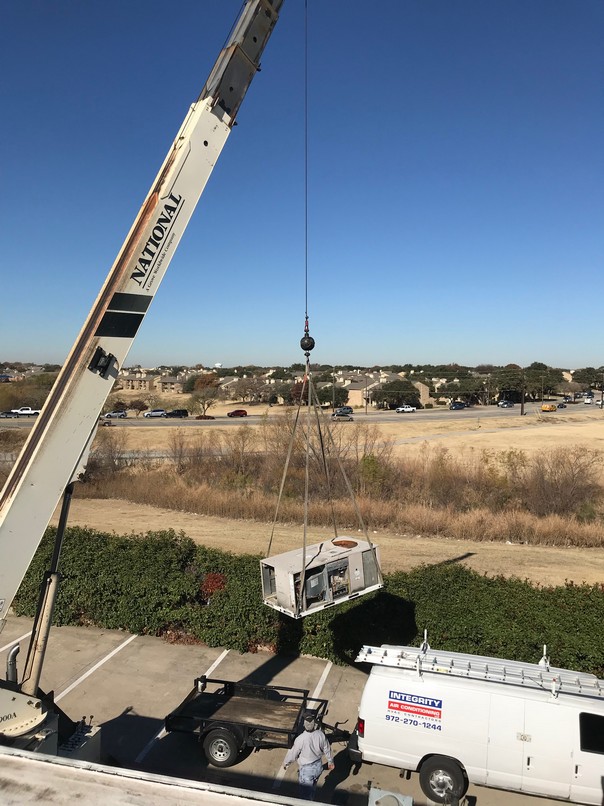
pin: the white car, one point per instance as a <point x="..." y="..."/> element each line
<point x="406" y="409"/>
<point x="155" y="413"/>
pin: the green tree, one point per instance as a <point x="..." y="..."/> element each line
<point x="283" y="390"/>
<point x="396" y="393"/>
<point x="326" y="394"/>
<point x="588" y="377"/>
<point x="189" y="384"/>
<point x="509" y="382"/>
<point x="469" y="388"/>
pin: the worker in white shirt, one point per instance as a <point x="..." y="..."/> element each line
<point x="308" y="750"/>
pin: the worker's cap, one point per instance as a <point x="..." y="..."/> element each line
<point x="310" y="720"/>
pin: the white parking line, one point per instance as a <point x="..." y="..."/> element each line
<point x="319" y="688"/>
<point x="161" y="733"/>
<point x="218" y="661"/>
<point x="16" y="641"/>
<point x="315" y="695"/>
<point x="94" y="668"/>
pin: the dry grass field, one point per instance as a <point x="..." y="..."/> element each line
<point x="475" y="433"/>
<point x="469" y="436"/>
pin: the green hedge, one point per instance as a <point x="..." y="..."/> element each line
<point x="154" y="584"/>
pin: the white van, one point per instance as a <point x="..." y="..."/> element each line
<point x="459" y="719"/>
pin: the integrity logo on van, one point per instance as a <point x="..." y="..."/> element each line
<point x="414" y="704"/>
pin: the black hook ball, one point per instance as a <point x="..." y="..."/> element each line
<point x="307" y="343"/>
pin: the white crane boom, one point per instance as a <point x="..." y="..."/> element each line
<point x="51" y="454"/>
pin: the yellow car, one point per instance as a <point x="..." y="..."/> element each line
<point x="548" y="407"/>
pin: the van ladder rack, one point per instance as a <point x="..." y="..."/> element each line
<point x="497" y="670"/>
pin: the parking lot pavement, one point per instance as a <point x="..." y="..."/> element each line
<point x="129" y="684"/>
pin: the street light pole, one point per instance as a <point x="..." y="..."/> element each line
<point x="333" y="390"/>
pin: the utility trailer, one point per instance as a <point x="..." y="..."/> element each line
<point x="230" y="718"/>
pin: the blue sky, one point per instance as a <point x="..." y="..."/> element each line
<point x="455" y="176"/>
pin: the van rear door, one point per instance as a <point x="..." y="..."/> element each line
<point x="587" y="775"/>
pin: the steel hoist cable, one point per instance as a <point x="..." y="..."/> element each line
<point x="309" y="399"/>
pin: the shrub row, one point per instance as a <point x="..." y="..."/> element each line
<point x="164" y="584"/>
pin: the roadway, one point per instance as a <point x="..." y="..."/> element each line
<point x="359" y="415"/>
<point x="130" y="682"/>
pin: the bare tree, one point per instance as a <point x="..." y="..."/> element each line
<point x="250" y="390"/>
<point x="138" y="406"/>
<point x="206" y="393"/>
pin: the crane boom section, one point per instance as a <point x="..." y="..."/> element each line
<point x="69" y="416"/>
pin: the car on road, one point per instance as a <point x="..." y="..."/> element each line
<point x="119" y="415"/>
<point x="457" y="405"/>
<point x="588" y="401"/>
<point x="506" y="404"/>
<point x="405" y="409"/>
<point x="205" y="417"/>
<point x="25" y="411"/>
<point x="343" y="410"/>
<point x="561" y="405"/>
<point x="182" y="413"/>
<point x="8" y="414"/>
<point x="155" y="413"/>
<point x="548" y="407"/>
<point x="237" y="413"/>
<point x="342" y="416"/>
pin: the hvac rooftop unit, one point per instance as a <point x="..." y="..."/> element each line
<point x="336" y="570"/>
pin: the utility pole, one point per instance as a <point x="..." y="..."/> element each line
<point x="333" y="389"/>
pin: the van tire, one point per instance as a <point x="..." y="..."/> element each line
<point x="221" y="748"/>
<point x="442" y="778"/>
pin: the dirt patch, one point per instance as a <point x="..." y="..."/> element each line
<point x="542" y="565"/>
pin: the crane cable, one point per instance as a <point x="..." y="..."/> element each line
<point x="307" y="343"/>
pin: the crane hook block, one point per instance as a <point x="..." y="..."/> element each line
<point x="307" y="343"/>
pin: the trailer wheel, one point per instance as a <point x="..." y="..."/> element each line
<point x="221" y="748"/>
<point x="442" y="779"/>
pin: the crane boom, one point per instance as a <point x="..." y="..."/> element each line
<point x="68" y="419"/>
